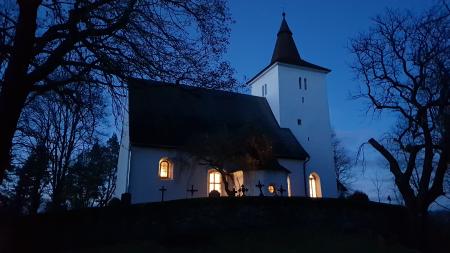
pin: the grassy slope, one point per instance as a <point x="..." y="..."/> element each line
<point x="249" y="224"/>
<point x="252" y="225"/>
<point x="269" y="241"/>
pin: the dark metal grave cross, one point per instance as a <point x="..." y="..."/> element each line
<point x="162" y="190"/>
<point x="192" y="190"/>
<point x="243" y="190"/>
<point x="389" y="199"/>
<point x="234" y="192"/>
<point x="260" y="186"/>
<point x="281" y="190"/>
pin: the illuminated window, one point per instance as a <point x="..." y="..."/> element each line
<point x="300" y="83"/>
<point x="271" y="188"/>
<point x="215" y="181"/>
<point x="314" y="186"/>
<point x="289" y="186"/>
<point x="165" y="169"/>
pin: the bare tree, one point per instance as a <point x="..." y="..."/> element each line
<point x="227" y="151"/>
<point x="403" y="63"/>
<point x="65" y="128"/>
<point x="342" y="164"/>
<point x="48" y="45"/>
<point x="378" y="183"/>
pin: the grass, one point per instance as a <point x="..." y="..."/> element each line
<point x="257" y="241"/>
<point x="249" y="224"/>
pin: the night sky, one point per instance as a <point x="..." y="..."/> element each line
<point x="321" y="30"/>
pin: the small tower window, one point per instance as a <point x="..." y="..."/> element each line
<point x="303" y="100"/>
<point x="299" y="122"/>
<point x="300" y="83"/>
<point x="165" y="169"/>
<point x="264" y="89"/>
<point x="305" y="83"/>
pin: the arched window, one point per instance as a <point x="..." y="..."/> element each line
<point x="314" y="186"/>
<point x="165" y="169"/>
<point x="289" y="186"/>
<point x="300" y="83"/>
<point x="305" y="84"/>
<point x="272" y="189"/>
<point x="215" y="181"/>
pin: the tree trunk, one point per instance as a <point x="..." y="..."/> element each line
<point x="418" y="229"/>
<point x="226" y="185"/>
<point x="16" y="87"/>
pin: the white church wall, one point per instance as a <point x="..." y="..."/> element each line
<point x="311" y="107"/>
<point x="144" y="182"/>
<point x="266" y="177"/>
<point x="269" y="77"/>
<point x="123" y="160"/>
<point x="295" y="177"/>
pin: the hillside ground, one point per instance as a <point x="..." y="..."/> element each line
<point x="250" y="224"/>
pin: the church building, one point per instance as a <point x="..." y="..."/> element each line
<point x="288" y="107"/>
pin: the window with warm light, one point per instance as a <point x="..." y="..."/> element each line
<point x="289" y="186"/>
<point x="314" y="186"/>
<point x="215" y="181"/>
<point x="271" y="188"/>
<point x="164" y="169"/>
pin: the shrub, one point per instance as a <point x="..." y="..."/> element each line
<point x="359" y="196"/>
<point x="114" y="202"/>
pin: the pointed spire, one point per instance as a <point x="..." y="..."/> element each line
<point x="285" y="49"/>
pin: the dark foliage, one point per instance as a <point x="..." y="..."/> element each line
<point x="92" y="178"/>
<point x="32" y="179"/>
<point x="358" y="197"/>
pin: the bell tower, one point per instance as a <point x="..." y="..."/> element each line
<point x="296" y="91"/>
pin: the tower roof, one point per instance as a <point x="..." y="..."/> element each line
<point x="285" y="51"/>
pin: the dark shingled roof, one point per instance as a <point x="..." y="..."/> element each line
<point x="285" y="51"/>
<point x="167" y="115"/>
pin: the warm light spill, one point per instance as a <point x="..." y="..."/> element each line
<point x="312" y="187"/>
<point x="215" y="181"/>
<point x="164" y="169"/>
<point x="271" y="188"/>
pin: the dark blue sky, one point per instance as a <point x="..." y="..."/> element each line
<point x="321" y="30"/>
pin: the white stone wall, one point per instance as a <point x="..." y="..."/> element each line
<point x="123" y="161"/>
<point x="145" y="181"/>
<point x="314" y="133"/>
<point x="266" y="177"/>
<point x="296" y="176"/>
<point x="269" y="77"/>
